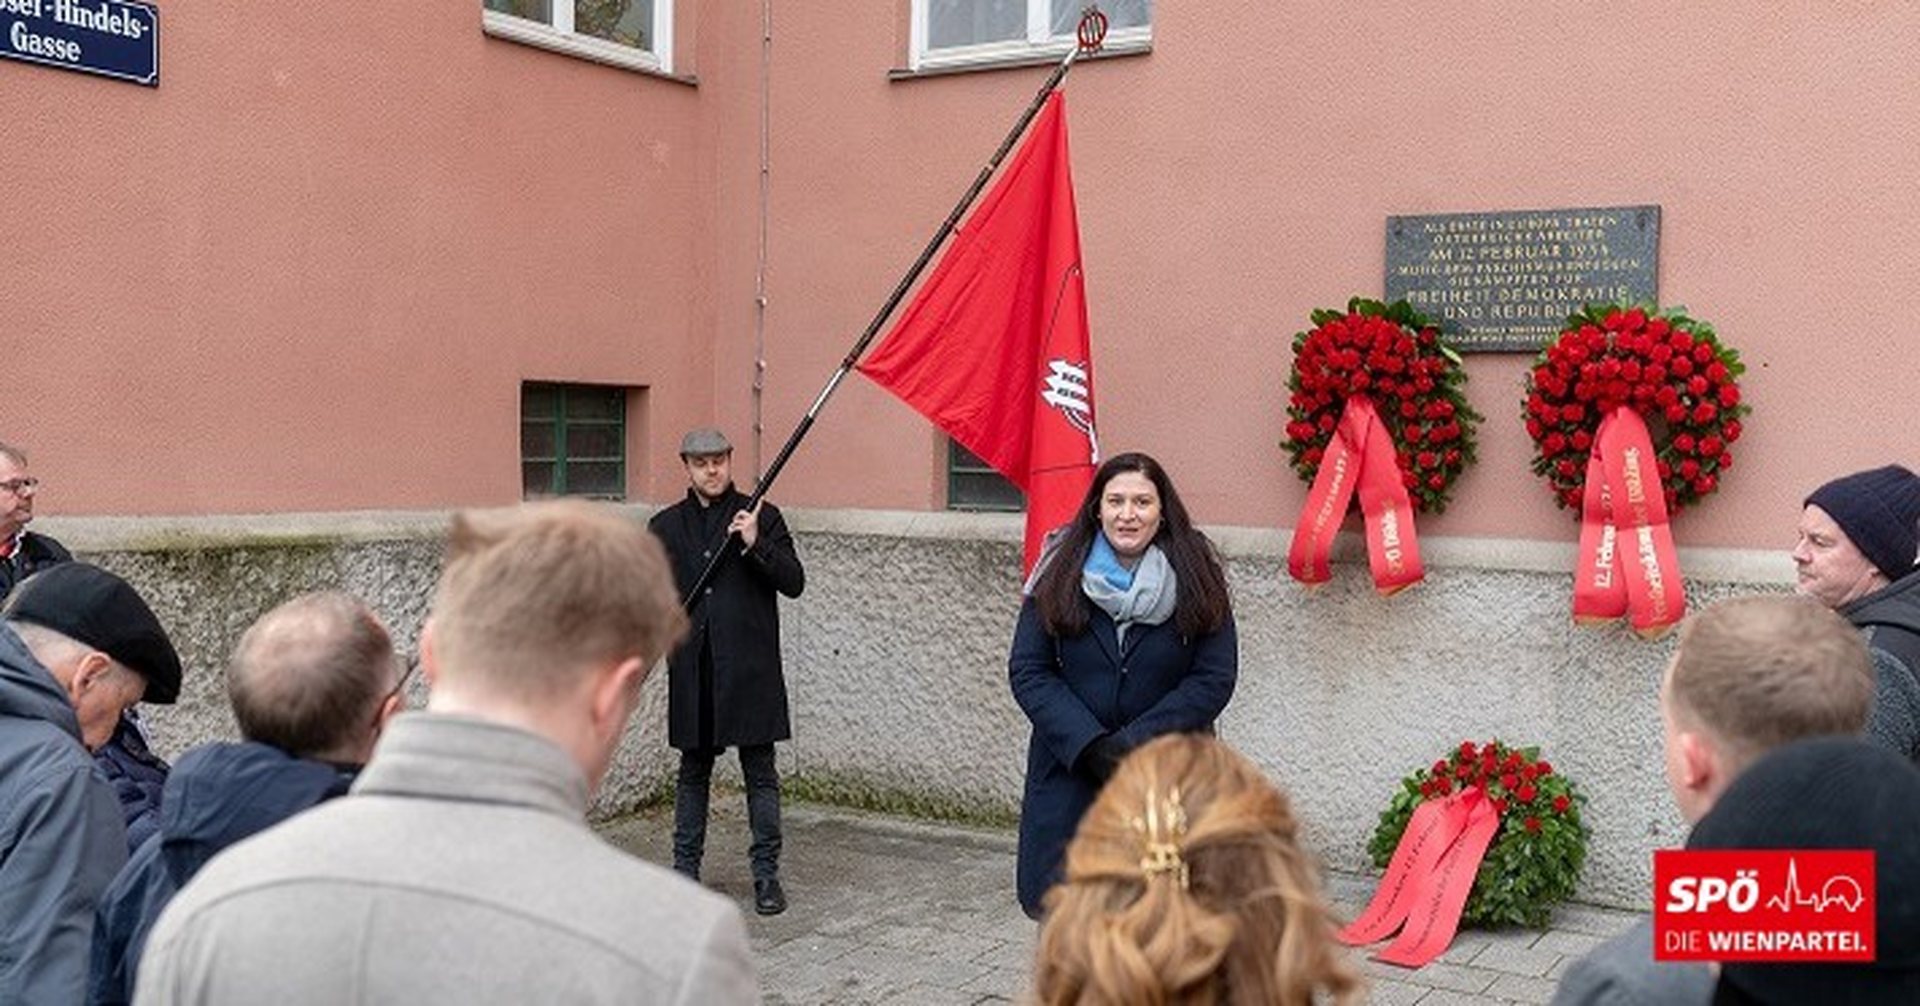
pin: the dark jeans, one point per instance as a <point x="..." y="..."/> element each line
<point x="763" y="809"/>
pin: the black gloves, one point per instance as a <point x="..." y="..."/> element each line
<point x="1101" y="757"/>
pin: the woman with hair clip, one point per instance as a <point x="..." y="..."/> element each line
<point x="1126" y="633"/>
<point x="1187" y="886"/>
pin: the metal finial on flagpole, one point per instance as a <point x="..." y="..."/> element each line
<point x="1089" y="35"/>
<point x="1092" y="31"/>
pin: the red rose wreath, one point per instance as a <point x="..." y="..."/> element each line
<point x="1633" y="415"/>
<point x="1489" y="835"/>
<point x="1377" y="408"/>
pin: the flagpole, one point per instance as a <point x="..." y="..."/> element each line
<point x="1088" y="36"/>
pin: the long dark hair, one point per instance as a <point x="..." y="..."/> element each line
<point x="1202" y="606"/>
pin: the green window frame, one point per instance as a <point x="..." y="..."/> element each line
<point x="573" y="440"/>
<point x="972" y="484"/>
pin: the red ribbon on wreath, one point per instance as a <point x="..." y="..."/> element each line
<point x="1359" y="458"/>
<point x="1487" y="835"/>
<point x="1625" y="510"/>
<point x="1376" y="410"/>
<point x="1427" y="883"/>
<point x="1591" y="397"/>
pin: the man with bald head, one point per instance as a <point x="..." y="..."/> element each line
<point x="312" y="683"/>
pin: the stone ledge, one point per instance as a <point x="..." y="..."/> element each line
<point x="1726" y="565"/>
<point x="210" y="531"/>
<point x="176" y="533"/>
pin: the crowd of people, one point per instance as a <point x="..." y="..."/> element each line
<point x="340" y="851"/>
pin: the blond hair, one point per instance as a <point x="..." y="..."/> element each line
<point x="1186" y="884"/>
<point x="1760" y="671"/>
<point x="534" y="594"/>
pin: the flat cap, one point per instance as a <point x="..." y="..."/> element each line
<point x="94" y="607"/>
<point x="704" y="441"/>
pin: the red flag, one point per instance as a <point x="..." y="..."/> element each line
<point x="994" y="347"/>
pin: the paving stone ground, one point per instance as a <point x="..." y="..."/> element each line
<point x="892" y="911"/>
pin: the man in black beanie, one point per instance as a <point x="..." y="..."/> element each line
<point x="78" y="646"/>
<point x="1856" y="551"/>
<point x="1830" y="793"/>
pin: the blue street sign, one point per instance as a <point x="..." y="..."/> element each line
<point x="113" y="38"/>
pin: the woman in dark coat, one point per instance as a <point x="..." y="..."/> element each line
<point x="1126" y="634"/>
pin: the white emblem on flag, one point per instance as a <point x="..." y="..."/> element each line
<point x="1066" y="389"/>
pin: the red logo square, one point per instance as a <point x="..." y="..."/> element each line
<point x="1763" y="905"/>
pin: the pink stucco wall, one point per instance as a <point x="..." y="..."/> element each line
<point x="1239" y="177"/>
<point x="310" y="270"/>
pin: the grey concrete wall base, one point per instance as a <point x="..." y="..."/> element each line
<point x="896" y="662"/>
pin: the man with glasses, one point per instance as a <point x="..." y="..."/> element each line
<point x="312" y="684"/>
<point x="77" y="647"/>
<point x="22" y="552"/>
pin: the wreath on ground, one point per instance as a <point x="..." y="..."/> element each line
<point x="1671" y="369"/>
<point x="1394" y="355"/>
<point x="1535" y="859"/>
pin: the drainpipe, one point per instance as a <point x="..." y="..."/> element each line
<point x="760" y="267"/>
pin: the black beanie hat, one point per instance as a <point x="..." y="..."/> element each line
<point x="1830" y="793"/>
<point x="92" y="606"/>
<point x="1879" y="509"/>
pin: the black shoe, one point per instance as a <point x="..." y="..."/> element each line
<point x="768" y="898"/>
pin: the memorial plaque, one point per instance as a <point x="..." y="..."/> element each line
<point x="1506" y="282"/>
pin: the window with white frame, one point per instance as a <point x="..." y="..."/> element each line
<point x="634" y="33"/>
<point x="949" y="33"/>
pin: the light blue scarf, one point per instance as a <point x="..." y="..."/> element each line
<point x="1144" y="594"/>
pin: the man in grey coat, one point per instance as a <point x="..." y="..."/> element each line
<point x="1750" y="675"/>
<point x="460" y="868"/>
<point x="78" y="646"/>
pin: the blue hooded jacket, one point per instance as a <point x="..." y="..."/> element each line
<point x="137" y="775"/>
<point x="216" y="796"/>
<point x="61" y="836"/>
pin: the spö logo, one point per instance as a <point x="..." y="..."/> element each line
<point x="1702" y="894"/>
<point x="1764" y="905"/>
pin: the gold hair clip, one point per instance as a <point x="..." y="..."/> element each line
<point x="1160" y="832"/>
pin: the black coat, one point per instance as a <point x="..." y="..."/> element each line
<point x="1890" y="617"/>
<point x="1075" y="690"/>
<point x="739" y="618"/>
<point x="37" y="552"/>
